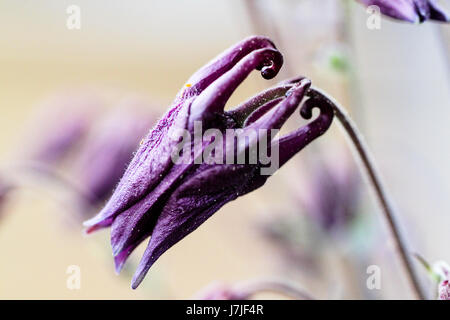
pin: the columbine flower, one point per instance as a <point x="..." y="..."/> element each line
<point x="165" y="200"/>
<point x="411" y="10"/>
<point x="109" y="148"/>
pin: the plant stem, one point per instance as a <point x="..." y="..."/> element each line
<point x="252" y="287"/>
<point x="377" y="185"/>
<point x="267" y="25"/>
<point x="53" y="176"/>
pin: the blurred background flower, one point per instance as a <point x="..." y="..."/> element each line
<point x="107" y="151"/>
<point x="249" y="289"/>
<point x="220" y="291"/>
<point x="325" y="215"/>
<point x="79" y="142"/>
<point x="5" y="189"/>
<point x="59" y="125"/>
<point x="329" y="193"/>
<point x="411" y="10"/>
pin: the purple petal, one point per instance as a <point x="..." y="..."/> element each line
<point x="192" y="204"/>
<point x="214" y="98"/>
<point x="437" y="13"/>
<point x="200" y="80"/>
<point x="148" y="167"/>
<point x="292" y="143"/>
<point x="276" y="117"/>
<point x="398" y="9"/>
<point x="244" y="110"/>
<point x="109" y="149"/>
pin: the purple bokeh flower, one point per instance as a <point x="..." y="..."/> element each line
<point x="247" y="289"/>
<point x="411" y="10"/>
<point x="221" y="291"/>
<point x="165" y="200"/>
<point x="109" y="148"/>
<point x="330" y="197"/>
<point x="64" y="121"/>
<point x="5" y="189"/>
<point x="325" y="196"/>
<point x="293" y="239"/>
<point x="444" y="290"/>
<point x="442" y="270"/>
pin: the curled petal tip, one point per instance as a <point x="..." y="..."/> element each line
<point x="306" y="110"/>
<point x="276" y="62"/>
<point x="200" y="80"/>
<point x="213" y="99"/>
<point x="293" y="142"/>
<point x="270" y="71"/>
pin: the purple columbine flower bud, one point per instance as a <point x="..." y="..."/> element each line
<point x="109" y="148"/>
<point x="167" y="200"/>
<point x="411" y="10"/>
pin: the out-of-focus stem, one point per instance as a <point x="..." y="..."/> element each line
<point x="52" y="175"/>
<point x="24" y="173"/>
<point x="377" y="185"/>
<point x="252" y="287"/>
<point x="253" y="15"/>
<point x="258" y="26"/>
